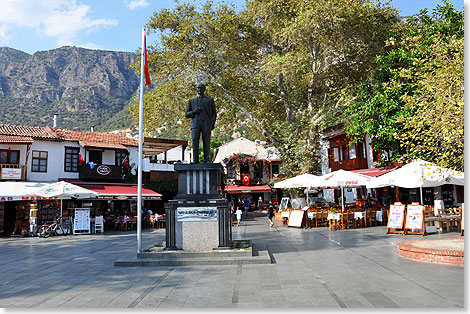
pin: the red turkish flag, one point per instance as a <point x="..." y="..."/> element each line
<point x="146" y="66"/>
<point x="81" y="161"/>
<point x="245" y="179"/>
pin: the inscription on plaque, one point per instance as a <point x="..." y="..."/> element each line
<point x="196" y="214"/>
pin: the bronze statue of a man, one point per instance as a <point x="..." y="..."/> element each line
<point x="202" y="112"/>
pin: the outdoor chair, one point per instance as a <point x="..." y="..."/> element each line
<point x="347" y="219"/>
<point x="371" y="217"/>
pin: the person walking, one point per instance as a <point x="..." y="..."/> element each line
<point x="260" y="204"/>
<point x="239" y="215"/>
<point x="246" y="203"/>
<point x="270" y="214"/>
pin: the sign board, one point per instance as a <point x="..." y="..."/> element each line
<point x="296" y="218"/>
<point x="11" y="174"/>
<point x="284" y="202"/>
<point x="414" y="217"/>
<point x="396" y="216"/>
<point x="196" y="214"/>
<point x="81" y="221"/>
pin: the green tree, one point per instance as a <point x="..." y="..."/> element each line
<point x="393" y="105"/>
<point x="279" y="67"/>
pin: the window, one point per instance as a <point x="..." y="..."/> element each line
<point x="335" y="154"/>
<point x="244" y="169"/>
<point x="120" y="155"/>
<point x="10" y="157"/>
<point x="275" y="169"/>
<point x="39" y="161"/>
<point x="259" y="167"/>
<point x="230" y="172"/>
<point x="343" y="152"/>
<point x="71" y="159"/>
<point x="360" y="150"/>
<point x="95" y="156"/>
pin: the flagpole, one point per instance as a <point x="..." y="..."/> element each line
<point x="139" y="170"/>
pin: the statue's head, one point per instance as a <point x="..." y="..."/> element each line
<point x="201" y="88"/>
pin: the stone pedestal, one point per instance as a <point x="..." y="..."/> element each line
<point x="198" y="219"/>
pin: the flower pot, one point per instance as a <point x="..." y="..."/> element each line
<point x="333" y="227"/>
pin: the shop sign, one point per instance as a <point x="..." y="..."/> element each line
<point x="11" y="173"/>
<point x="7" y="198"/>
<point x="196" y="214"/>
<point x="34" y="198"/>
<point x="245" y="179"/>
<point x="103" y="170"/>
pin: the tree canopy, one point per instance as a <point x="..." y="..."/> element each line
<point x="277" y="69"/>
<point x="413" y="104"/>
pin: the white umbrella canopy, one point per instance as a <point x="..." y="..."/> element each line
<point x="418" y="174"/>
<point x="64" y="190"/>
<point x="341" y="179"/>
<point x="300" y="181"/>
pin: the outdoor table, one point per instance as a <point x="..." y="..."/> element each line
<point x="331" y="216"/>
<point x="285" y="216"/>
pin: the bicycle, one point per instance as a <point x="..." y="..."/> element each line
<point x="56" y="228"/>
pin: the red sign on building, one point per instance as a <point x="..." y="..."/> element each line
<point x="245" y="179"/>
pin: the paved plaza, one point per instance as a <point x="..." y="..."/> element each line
<point x="315" y="268"/>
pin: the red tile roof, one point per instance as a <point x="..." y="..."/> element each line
<point x="12" y="139"/>
<point x="95" y="137"/>
<point x="36" y="132"/>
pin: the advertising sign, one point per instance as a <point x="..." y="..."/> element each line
<point x="296" y="217"/>
<point x="81" y="221"/>
<point x="11" y="173"/>
<point x="414" y="217"/>
<point x="395" y="218"/>
<point x="196" y="214"/>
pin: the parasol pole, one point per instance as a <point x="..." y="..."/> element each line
<point x="342" y="199"/>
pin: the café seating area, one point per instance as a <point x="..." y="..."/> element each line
<point x="353" y="216"/>
<point x="126" y="223"/>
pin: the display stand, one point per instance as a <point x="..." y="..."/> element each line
<point x="415" y="220"/>
<point x="81" y="221"/>
<point x="297" y="218"/>
<point x="396" y="219"/>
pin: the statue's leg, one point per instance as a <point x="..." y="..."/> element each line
<point x="206" y="141"/>
<point x="195" y="136"/>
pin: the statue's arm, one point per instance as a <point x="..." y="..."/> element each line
<point x="214" y="114"/>
<point x="189" y="111"/>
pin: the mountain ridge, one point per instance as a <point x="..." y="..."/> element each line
<point x="86" y="87"/>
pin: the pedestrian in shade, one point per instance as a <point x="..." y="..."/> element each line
<point x="270" y="213"/>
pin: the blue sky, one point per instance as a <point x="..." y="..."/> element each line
<point x="35" y="25"/>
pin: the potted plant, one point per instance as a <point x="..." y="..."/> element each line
<point x="333" y="225"/>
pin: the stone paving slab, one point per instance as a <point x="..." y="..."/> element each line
<point x="315" y="268"/>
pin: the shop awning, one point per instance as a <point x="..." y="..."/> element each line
<point x="21" y="191"/>
<point x="120" y="191"/>
<point x="153" y="146"/>
<point x="233" y="188"/>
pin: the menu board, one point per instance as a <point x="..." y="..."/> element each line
<point x="395" y="217"/>
<point x="81" y="221"/>
<point x="414" y="217"/>
<point x="284" y="202"/>
<point x="296" y="217"/>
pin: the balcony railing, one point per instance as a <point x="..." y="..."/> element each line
<point x="351" y="164"/>
<point x="100" y="172"/>
<point x="12" y="172"/>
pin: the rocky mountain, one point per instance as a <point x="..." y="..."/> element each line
<point x="86" y="87"/>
